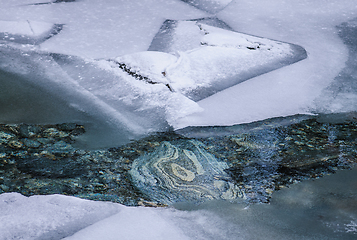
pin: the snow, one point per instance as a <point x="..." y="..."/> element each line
<point x="58" y="217"/>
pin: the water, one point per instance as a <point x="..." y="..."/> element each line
<point x="316" y="209"/>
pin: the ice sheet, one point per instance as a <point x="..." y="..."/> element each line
<point x="283" y="92"/>
<point x="28" y="32"/>
<point x="92" y="91"/>
<point x="89" y="32"/>
<point x="292" y="89"/>
<point x="48" y="217"/>
<point x="211" y="59"/>
<point x="211" y="6"/>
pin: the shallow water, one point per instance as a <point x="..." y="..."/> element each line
<point x="315" y="209"/>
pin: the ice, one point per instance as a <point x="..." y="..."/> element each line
<point x="28" y="32"/>
<point x="111" y="29"/>
<point x="94" y="91"/>
<point x="48" y="217"/>
<point x="211" y="59"/>
<point x="292" y="89"/>
<point x="133" y="223"/>
<point x="211" y="6"/>
<point x="144" y="92"/>
<point x="58" y="216"/>
<point x="90" y="33"/>
<point x="132" y="26"/>
<point x="283" y="92"/>
<point x="341" y="95"/>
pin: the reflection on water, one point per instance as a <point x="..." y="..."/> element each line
<point x="315" y="209"/>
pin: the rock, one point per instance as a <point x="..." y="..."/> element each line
<point x="31" y="143"/>
<point x="46" y="167"/>
<point x="182" y="172"/>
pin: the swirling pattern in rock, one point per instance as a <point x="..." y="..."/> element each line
<point x="180" y="172"/>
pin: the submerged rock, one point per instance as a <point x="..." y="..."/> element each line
<point x="180" y="172"/>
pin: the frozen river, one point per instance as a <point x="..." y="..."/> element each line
<point x="213" y="63"/>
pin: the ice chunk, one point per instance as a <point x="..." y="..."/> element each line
<point x="341" y="94"/>
<point x="99" y="92"/>
<point x="49" y="217"/>
<point x="133" y="223"/>
<point x="171" y="39"/>
<point x="89" y="32"/>
<point x="211" y="6"/>
<point x="28" y="32"/>
<point x="289" y="90"/>
<point x="211" y="59"/>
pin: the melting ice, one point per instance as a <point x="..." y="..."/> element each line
<point x="45" y="70"/>
<point x="138" y="93"/>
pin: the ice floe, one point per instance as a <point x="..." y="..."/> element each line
<point x="28" y="32"/>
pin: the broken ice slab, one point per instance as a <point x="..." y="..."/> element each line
<point x="211" y="57"/>
<point x="211" y="6"/>
<point x="118" y="106"/>
<point x="28" y="32"/>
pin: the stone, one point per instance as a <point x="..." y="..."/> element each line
<point x="182" y="172"/>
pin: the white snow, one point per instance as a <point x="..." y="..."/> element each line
<point x="133" y="223"/>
